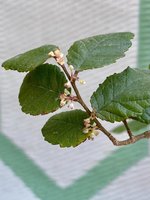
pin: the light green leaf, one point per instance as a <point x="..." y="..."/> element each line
<point x="29" y="60"/>
<point x="122" y="96"/>
<point x="66" y="129"/>
<point x="41" y="89"/>
<point x="98" y="51"/>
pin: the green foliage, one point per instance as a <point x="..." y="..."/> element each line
<point x="29" y="60"/>
<point x="45" y="89"/>
<point x="98" y="51"/>
<point x="41" y="89"/>
<point x="66" y="129"/>
<point x="122" y="96"/>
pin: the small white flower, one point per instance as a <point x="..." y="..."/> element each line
<point x="68" y="84"/>
<point x="85" y="130"/>
<point x="57" y="53"/>
<point x="90" y="127"/>
<point x="92" y="134"/>
<point x="93" y="125"/>
<point x="96" y="132"/>
<point x="87" y="125"/>
<point x="51" y="53"/>
<point x="66" y="92"/>
<point x="61" y="55"/>
<point x="71" y="106"/>
<point x="87" y="120"/>
<point x="71" y="67"/>
<point x="62" y="102"/>
<point x="82" y="82"/>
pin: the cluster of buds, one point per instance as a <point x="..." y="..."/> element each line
<point x="66" y="97"/>
<point x="74" y="75"/>
<point x="58" y="56"/>
<point x="82" y="82"/>
<point x="67" y="85"/>
<point x="71" y="68"/>
<point x="90" y="128"/>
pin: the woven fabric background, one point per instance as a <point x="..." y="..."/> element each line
<point x="32" y="169"/>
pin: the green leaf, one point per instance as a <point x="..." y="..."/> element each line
<point x="98" y="51"/>
<point x="41" y="89"/>
<point x="66" y="129"/>
<point x="122" y="96"/>
<point x="145" y="117"/>
<point x="29" y="60"/>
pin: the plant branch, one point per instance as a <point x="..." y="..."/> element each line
<point x="132" y="138"/>
<point x="66" y="72"/>
<point x="128" y="129"/>
<point x="80" y="100"/>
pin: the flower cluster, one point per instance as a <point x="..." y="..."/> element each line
<point x="58" y="56"/>
<point x="90" y="128"/>
<point x="74" y="75"/>
<point x="66" y="97"/>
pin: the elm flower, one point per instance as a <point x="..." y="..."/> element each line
<point x="71" y="68"/>
<point x="82" y="82"/>
<point x="90" y="128"/>
<point x="67" y="85"/>
<point x="71" y="106"/>
<point x="51" y="54"/>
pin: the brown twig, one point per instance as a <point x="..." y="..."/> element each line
<point x="128" y="129"/>
<point x="134" y="139"/>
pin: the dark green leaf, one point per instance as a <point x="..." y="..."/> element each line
<point x="98" y="51"/>
<point x="122" y="96"/>
<point x="66" y="129"/>
<point x="41" y="89"/>
<point x="145" y="117"/>
<point x="29" y="60"/>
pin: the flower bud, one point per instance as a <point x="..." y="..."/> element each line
<point x="62" y="102"/>
<point x="96" y="132"/>
<point x="66" y="92"/>
<point x="68" y="84"/>
<point x="57" y="53"/>
<point x="82" y="82"/>
<point x="91" y="137"/>
<point x="85" y="130"/>
<point x="87" y="125"/>
<point x="87" y="120"/>
<point x="71" y="106"/>
<point x="71" y="67"/>
<point x="93" y="125"/>
<point x="61" y="55"/>
<point x="51" y="54"/>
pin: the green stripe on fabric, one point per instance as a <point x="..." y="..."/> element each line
<point x="27" y="170"/>
<point x="144" y="34"/>
<point x="107" y="170"/>
<point x="85" y="187"/>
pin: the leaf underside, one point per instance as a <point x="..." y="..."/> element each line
<point x="122" y="96"/>
<point x="98" y="51"/>
<point x="41" y="89"/>
<point x="66" y="129"/>
<point x="29" y="60"/>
